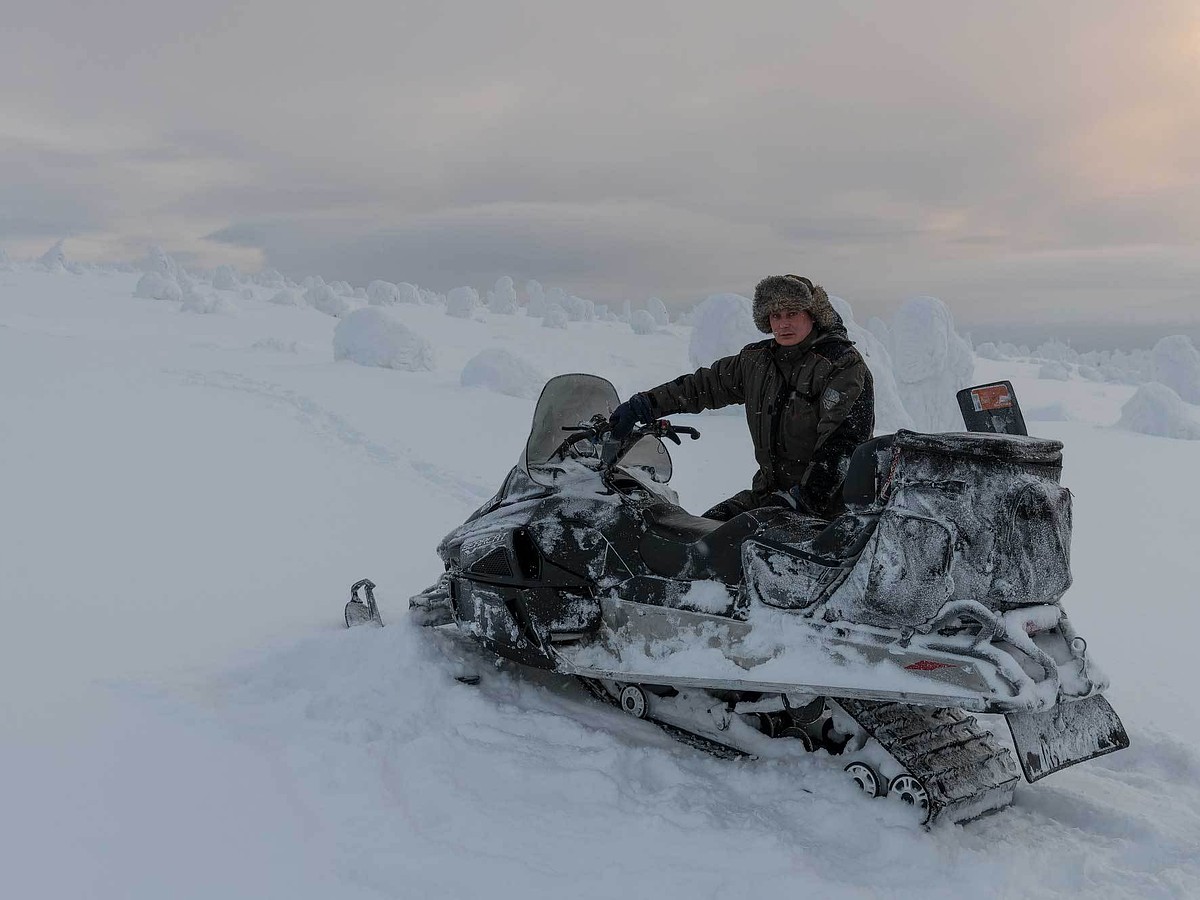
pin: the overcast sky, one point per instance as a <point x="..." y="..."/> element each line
<point x="1020" y="160"/>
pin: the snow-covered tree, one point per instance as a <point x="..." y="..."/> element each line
<point x="225" y="279"/>
<point x="504" y="372"/>
<point x="1177" y="365"/>
<point x="156" y="286"/>
<point x="642" y="322"/>
<point x="890" y="414"/>
<point x="382" y="293"/>
<point x="535" y="299"/>
<point x="932" y="363"/>
<point x="371" y="336"/>
<point x="462" y="302"/>
<point x="658" y="310"/>
<point x="555" y="316"/>
<point x="721" y="326"/>
<point x="54" y="259"/>
<point x="1158" y="410"/>
<point x="502" y="299"/>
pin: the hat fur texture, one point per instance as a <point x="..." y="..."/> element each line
<point x="792" y="293"/>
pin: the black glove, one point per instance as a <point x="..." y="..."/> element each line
<point x="637" y="408"/>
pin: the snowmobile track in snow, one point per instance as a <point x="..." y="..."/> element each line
<point x="963" y="770"/>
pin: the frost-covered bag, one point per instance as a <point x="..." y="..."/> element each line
<point x="964" y="517"/>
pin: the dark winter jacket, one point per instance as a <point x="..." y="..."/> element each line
<point x="807" y="406"/>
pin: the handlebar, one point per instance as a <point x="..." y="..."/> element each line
<point x="599" y="431"/>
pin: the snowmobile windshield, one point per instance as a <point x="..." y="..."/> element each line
<point x="650" y="454"/>
<point x="566" y="400"/>
<point x="569" y="400"/>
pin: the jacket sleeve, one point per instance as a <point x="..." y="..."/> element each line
<point x="846" y="404"/>
<point x="721" y="384"/>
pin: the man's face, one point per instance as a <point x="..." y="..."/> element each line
<point x="790" y="328"/>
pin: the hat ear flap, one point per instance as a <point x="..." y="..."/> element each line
<point x="806" y="282"/>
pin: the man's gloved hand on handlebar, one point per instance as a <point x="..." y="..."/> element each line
<point x="637" y="408"/>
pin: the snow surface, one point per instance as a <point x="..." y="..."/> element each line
<point x="183" y="714"/>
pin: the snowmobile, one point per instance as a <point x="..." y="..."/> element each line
<point x="872" y="637"/>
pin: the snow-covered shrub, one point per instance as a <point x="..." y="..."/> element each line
<point x="156" y="260"/>
<point x="554" y="317"/>
<point x="342" y="288"/>
<point x="502" y="299"/>
<point x="721" y="326"/>
<point x="407" y="293"/>
<point x="247" y="293"/>
<point x="360" y="293"/>
<point x="1090" y="373"/>
<point x="642" y="322"/>
<point x="54" y="259"/>
<point x="1056" y="351"/>
<point x="382" y="293"/>
<point x="890" y="414"/>
<point x="198" y="301"/>
<point x="286" y="297"/>
<point x="988" y="350"/>
<point x="579" y="309"/>
<point x="1158" y="410"/>
<point x="5" y="262"/>
<point x="462" y="302"/>
<point x="932" y="362"/>
<point x="658" y="309"/>
<point x="311" y="281"/>
<point x="373" y="337"/>
<point x="432" y="298"/>
<point x="269" y="278"/>
<point x="882" y="333"/>
<point x="225" y="279"/>
<point x="1177" y="365"/>
<point x="535" y="299"/>
<point x="154" y="286"/>
<point x="626" y="313"/>
<point x="601" y="312"/>
<point x="323" y="297"/>
<point x="1053" y="370"/>
<point x="503" y="372"/>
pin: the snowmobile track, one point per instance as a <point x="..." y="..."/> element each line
<point x="964" y="772"/>
<point x="695" y="741"/>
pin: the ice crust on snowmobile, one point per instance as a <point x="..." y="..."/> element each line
<point x="938" y="591"/>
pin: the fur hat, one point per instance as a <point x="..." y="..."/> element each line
<point x="792" y="293"/>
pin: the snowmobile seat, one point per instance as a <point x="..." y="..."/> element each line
<point x="861" y="486"/>
<point x="679" y="545"/>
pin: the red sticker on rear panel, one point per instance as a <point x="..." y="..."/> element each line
<point x="994" y="396"/>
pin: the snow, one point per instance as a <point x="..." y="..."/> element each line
<point x="502" y="371"/>
<point x="1156" y="409"/>
<point x="183" y="714"/>
<point x="1054" y="370"/>
<point x="371" y="337"/>
<point x="1177" y="365"/>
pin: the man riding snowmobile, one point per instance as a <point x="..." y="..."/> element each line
<point x="808" y="394"/>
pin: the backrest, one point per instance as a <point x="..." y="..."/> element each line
<point x="862" y="478"/>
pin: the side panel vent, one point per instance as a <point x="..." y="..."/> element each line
<point x="495" y="564"/>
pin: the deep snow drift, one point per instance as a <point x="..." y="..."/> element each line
<point x="189" y="498"/>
